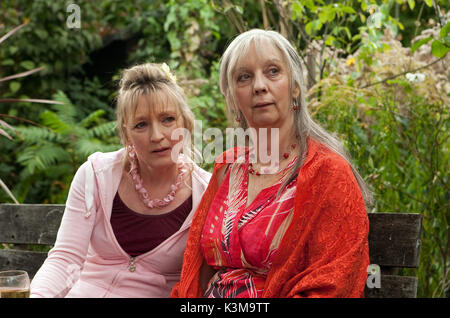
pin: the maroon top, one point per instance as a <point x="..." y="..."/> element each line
<point x="139" y="233"/>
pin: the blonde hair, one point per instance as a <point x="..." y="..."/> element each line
<point x="304" y="125"/>
<point x="155" y="82"/>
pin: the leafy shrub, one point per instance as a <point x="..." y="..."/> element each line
<point x="397" y="132"/>
<point x="52" y="151"/>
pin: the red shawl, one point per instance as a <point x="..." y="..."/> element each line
<point x="324" y="252"/>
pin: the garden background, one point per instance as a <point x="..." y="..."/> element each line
<point x="376" y="71"/>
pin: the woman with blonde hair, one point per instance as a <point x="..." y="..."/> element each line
<point x="294" y="227"/>
<point x="128" y="212"/>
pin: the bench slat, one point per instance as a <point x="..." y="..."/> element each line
<point x="393" y="286"/>
<point x="394" y="239"/>
<point x="30" y="223"/>
<point x="23" y="260"/>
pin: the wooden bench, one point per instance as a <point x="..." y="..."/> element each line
<point x="394" y="242"/>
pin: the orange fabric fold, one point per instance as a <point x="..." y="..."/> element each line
<point x="324" y="252"/>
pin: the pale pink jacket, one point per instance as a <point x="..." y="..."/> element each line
<point x="87" y="260"/>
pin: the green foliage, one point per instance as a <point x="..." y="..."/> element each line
<point x="14" y="86"/>
<point x="398" y="135"/>
<point x="395" y="127"/>
<point x="208" y="106"/>
<point x="53" y="151"/>
<point x="439" y="47"/>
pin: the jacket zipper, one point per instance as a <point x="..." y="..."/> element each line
<point x="132" y="266"/>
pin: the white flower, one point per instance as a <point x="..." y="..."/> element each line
<point x="420" y="77"/>
<point x="415" y="77"/>
<point x="165" y="68"/>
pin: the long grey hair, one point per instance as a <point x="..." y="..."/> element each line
<point x="304" y="125"/>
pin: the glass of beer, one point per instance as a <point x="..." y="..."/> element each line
<point x="14" y="284"/>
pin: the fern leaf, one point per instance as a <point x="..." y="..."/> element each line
<point x="33" y="135"/>
<point x="104" y="130"/>
<point x="66" y="111"/>
<point x="53" y="121"/>
<point x="92" y="117"/>
<point x="41" y="158"/>
<point x="86" y="147"/>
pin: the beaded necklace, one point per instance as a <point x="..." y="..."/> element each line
<point x="271" y="170"/>
<point x="143" y="193"/>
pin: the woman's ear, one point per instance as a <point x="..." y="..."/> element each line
<point x="296" y="92"/>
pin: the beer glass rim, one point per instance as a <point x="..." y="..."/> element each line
<point x="12" y="273"/>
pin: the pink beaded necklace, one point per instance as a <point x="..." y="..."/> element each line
<point x="155" y="203"/>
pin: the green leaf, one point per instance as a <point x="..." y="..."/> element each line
<point x="297" y="9"/>
<point x="86" y="147"/>
<point x="92" y="117"/>
<point x="14" y="86"/>
<point x="239" y="9"/>
<point x="411" y="4"/>
<point x="51" y="120"/>
<point x="370" y="161"/>
<point x="447" y="40"/>
<point x="445" y="30"/>
<point x="364" y="6"/>
<point x="347" y="30"/>
<point x="356" y="37"/>
<point x="429" y="3"/>
<point x="174" y="41"/>
<point x="418" y="44"/>
<point x="103" y="130"/>
<point x="66" y="112"/>
<point x="308" y="27"/>
<point x="7" y="62"/>
<point x="313" y="25"/>
<point x="13" y="49"/>
<point x="28" y="65"/>
<point x="362" y="17"/>
<point x="348" y="10"/>
<point x="171" y="18"/>
<point x="310" y="5"/>
<point x="37" y="134"/>
<point x="42" y="34"/>
<point x="39" y="158"/>
<point x="439" y="49"/>
<point x="327" y="14"/>
<point x="330" y="40"/>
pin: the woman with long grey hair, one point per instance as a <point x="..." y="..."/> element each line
<point x="297" y="227"/>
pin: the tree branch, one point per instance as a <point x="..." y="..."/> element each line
<point x="403" y="73"/>
<point x="8" y="78"/>
<point x="264" y="14"/>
